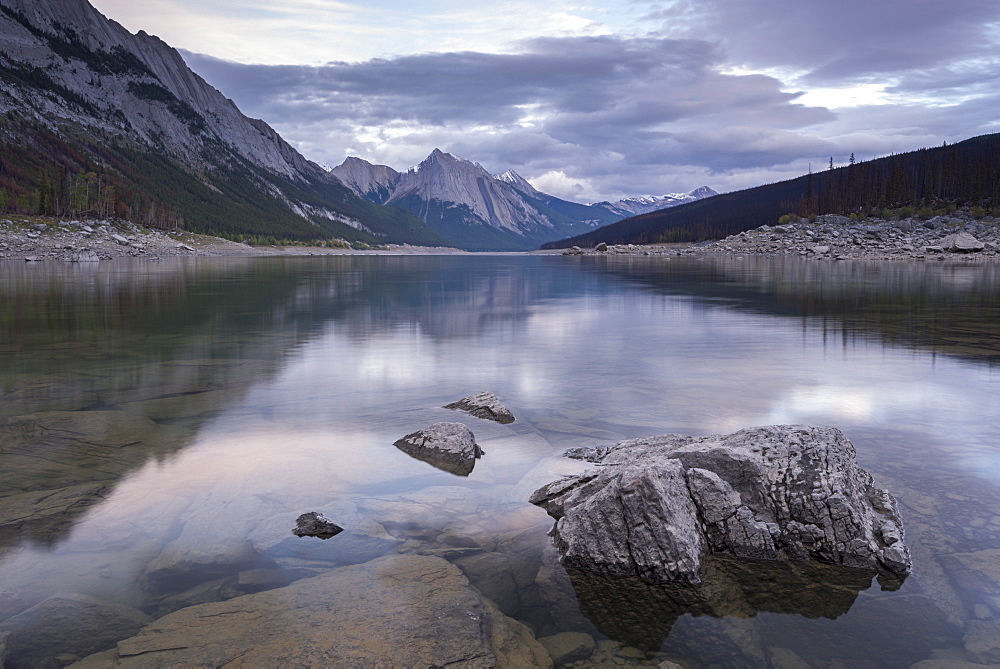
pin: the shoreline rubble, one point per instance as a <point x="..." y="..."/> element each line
<point x="833" y="237"/>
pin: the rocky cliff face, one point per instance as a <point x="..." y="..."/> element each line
<point x="133" y="86"/>
<point x="78" y="89"/>
<point x="447" y="178"/>
<point x="373" y="182"/>
<point x="471" y="207"/>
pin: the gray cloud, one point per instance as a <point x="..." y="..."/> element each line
<point x="836" y="41"/>
<point x="598" y="109"/>
<point x="618" y="116"/>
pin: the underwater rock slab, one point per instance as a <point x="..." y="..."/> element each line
<point x="70" y="624"/>
<point x="485" y="405"/>
<point x="655" y="507"/>
<point x="448" y="446"/>
<point x="398" y="611"/>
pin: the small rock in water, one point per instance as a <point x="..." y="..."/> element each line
<point x="315" y="524"/>
<point x="484" y="405"/>
<point x="448" y="446"/>
<point x="601" y="248"/>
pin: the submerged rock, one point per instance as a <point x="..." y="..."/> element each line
<point x="656" y="507"/>
<point x="643" y="614"/>
<point x="448" y="446"/>
<point x="567" y="647"/>
<point x="83" y="256"/>
<point x="66" y="625"/>
<point x="315" y="524"/>
<point x="398" y="611"/>
<point x="484" y="405"/>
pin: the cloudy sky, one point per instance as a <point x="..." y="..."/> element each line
<point x="601" y="99"/>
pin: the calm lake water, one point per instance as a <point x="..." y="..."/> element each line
<point x="163" y="424"/>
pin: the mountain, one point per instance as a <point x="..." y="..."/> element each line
<point x="372" y="182"/>
<point x="634" y="206"/>
<point x="922" y="182"/>
<point x="470" y="207"/>
<point x="98" y="121"/>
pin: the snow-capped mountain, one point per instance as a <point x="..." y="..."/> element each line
<point x="79" y="92"/>
<point x="633" y="206"/>
<point x="518" y="182"/>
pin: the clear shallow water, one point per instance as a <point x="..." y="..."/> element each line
<point x="165" y="424"/>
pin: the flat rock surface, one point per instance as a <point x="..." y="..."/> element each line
<point x="655" y="507"/>
<point x="483" y="405"/>
<point x="399" y="611"/>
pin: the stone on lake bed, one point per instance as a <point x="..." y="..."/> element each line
<point x="315" y="524"/>
<point x="448" y="446"/>
<point x="397" y="611"/>
<point x="485" y="405"/>
<point x="656" y="507"/>
<point x="71" y="624"/>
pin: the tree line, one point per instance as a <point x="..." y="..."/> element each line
<point x="924" y="182"/>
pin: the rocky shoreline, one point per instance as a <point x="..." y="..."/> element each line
<point x="37" y="239"/>
<point x="954" y="237"/>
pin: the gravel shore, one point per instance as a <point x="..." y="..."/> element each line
<point x="956" y="237"/>
<point x="36" y="239"/>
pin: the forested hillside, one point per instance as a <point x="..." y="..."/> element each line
<point x="923" y="181"/>
<point x="96" y="121"/>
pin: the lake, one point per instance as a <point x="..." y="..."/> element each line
<point x="163" y="424"/>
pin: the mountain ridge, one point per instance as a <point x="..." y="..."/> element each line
<point x="463" y="202"/>
<point x="81" y="95"/>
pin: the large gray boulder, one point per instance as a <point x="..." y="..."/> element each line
<point x="448" y="446"/>
<point x="485" y="405"/>
<point x="961" y="242"/>
<point x="398" y="611"/>
<point x="656" y="507"/>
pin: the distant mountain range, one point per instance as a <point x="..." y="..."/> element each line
<point x="464" y="203"/>
<point x="923" y="182"/>
<point x="634" y="206"/>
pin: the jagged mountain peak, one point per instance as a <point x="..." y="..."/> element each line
<point x="446" y="178"/>
<point x="518" y="182"/>
<point x="373" y="182"/>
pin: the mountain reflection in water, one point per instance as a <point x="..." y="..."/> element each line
<point x="163" y="424"/>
